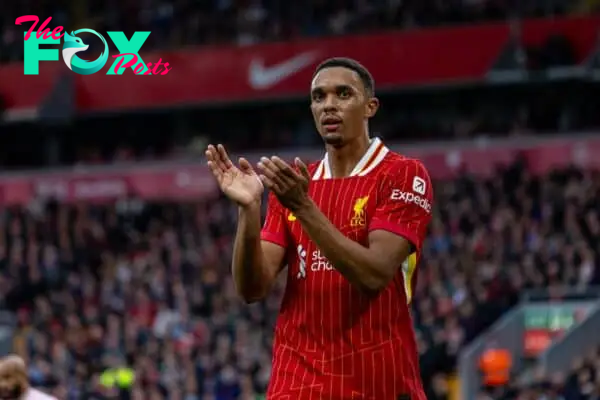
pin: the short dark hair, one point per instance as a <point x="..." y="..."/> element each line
<point x="349" y="63"/>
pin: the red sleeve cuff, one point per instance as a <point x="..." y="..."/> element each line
<point x="273" y="238"/>
<point x="396" y="229"/>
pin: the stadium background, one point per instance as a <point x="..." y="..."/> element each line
<point x="115" y="247"/>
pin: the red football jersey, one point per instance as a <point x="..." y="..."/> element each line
<point x="332" y="341"/>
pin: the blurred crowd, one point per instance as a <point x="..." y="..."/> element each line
<point x="582" y="382"/>
<point x="148" y="286"/>
<point x="176" y="23"/>
<point x="133" y="285"/>
<point x="469" y="114"/>
<point x="493" y="240"/>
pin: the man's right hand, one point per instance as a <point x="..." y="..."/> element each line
<point x="242" y="185"/>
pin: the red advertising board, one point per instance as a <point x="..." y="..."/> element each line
<point x="285" y="69"/>
<point x="191" y="182"/>
<point x="176" y="183"/>
<point x="225" y="74"/>
<point x="536" y="341"/>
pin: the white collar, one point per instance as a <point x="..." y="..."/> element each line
<point x="371" y="159"/>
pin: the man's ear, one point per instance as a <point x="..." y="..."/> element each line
<point x="372" y="107"/>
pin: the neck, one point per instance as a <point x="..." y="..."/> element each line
<point x="342" y="160"/>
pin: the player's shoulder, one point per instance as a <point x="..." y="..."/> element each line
<point x="406" y="175"/>
<point x="398" y="164"/>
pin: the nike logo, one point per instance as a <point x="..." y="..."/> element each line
<point x="261" y="77"/>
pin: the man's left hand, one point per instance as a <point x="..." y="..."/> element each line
<point x="290" y="187"/>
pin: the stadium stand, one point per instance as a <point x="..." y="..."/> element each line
<point x="580" y="382"/>
<point x="101" y="279"/>
<point x="147" y="286"/>
<point x="469" y="114"/>
<point x="250" y="22"/>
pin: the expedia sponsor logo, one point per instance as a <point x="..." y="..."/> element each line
<point x="419" y="185"/>
<point x="411" y="198"/>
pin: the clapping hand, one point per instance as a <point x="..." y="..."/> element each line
<point x="290" y="186"/>
<point x="242" y="185"/>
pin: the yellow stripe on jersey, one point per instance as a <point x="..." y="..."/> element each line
<point x="408" y="270"/>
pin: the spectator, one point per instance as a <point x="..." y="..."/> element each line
<point x="100" y="287"/>
<point x="496" y="367"/>
<point x="177" y="24"/>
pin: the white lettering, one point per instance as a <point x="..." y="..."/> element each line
<point x="107" y="188"/>
<point x="411" y="198"/>
<point x="55" y="189"/>
<point x="319" y="262"/>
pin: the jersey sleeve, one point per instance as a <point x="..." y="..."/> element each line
<point x="274" y="228"/>
<point x="406" y="202"/>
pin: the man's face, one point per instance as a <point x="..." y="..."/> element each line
<point x="13" y="380"/>
<point x="340" y="105"/>
<point x="10" y="386"/>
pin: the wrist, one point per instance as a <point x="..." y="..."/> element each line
<point x="250" y="207"/>
<point x="304" y="208"/>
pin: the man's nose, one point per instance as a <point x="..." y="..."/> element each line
<point x="330" y="104"/>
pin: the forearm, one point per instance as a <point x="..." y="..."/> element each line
<point x="354" y="261"/>
<point x="249" y="273"/>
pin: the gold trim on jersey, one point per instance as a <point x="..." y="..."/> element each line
<point x="408" y="270"/>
